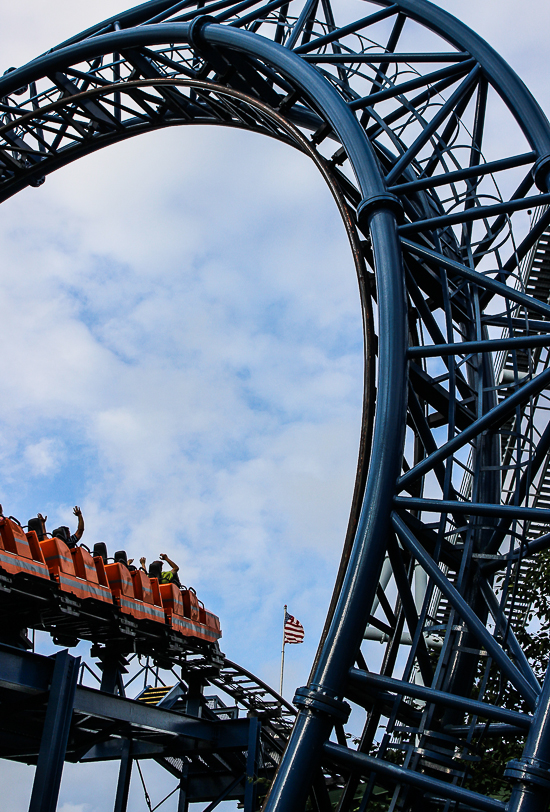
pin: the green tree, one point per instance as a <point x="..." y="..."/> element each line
<point x="486" y="774"/>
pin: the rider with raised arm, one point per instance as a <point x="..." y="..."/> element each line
<point x="166" y="576"/>
<point x="64" y="533"/>
<point x="39" y="525"/>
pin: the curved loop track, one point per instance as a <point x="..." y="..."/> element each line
<point x="437" y="153"/>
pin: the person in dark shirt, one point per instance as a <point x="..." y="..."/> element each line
<point x="38" y="524"/>
<point x="64" y="533"/>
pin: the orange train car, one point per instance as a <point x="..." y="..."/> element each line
<point x="20" y="551"/>
<point x="133" y="593"/>
<point x="189" y="625"/>
<point x="76" y="571"/>
<point x="87" y="577"/>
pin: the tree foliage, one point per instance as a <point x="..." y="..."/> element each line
<point x="487" y="774"/>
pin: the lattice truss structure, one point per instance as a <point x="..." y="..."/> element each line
<point x="439" y="161"/>
<point x="217" y="730"/>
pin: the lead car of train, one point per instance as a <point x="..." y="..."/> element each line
<point x="93" y="578"/>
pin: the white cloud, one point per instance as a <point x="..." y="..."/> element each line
<point x="206" y="383"/>
<point x="66" y="807"/>
<point x="42" y="457"/>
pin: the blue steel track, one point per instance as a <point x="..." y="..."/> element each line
<point x="448" y="487"/>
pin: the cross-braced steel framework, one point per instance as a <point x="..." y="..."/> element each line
<point x="396" y="109"/>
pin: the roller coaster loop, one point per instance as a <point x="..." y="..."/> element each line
<point x="452" y="493"/>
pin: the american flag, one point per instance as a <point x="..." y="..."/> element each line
<point x="294" y="631"/>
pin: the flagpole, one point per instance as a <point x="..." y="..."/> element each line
<point x="283" y="652"/>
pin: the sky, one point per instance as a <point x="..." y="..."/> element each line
<point x="183" y="359"/>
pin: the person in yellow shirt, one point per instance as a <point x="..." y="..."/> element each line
<point x="163" y="576"/>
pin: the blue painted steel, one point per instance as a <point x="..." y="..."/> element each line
<point x="322" y="94"/>
<point x="532" y="547"/>
<point x="251" y="778"/>
<point x="531" y="772"/>
<point x="479" y="213"/>
<point x="108" y="727"/>
<point x="366" y="764"/>
<point x="511" y="640"/>
<point x="55" y="734"/>
<point x="491" y="345"/>
<point x="471" y="508"/>
<point x="124" y="776"/>
<point x="441" y="116"/>
<point x="510" y="87"/>
<point x="494" y="417"/>
<point x="484" y="282"/>
<point x="377" y="681"/>
<point x="460" y="174"/>
<point x="223" y="795"/>
<point x="530" y="692"/>
<point x="436" y="290"/>
<point x="183" y="803"/>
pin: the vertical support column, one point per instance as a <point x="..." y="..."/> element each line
<point x="194" y="695"/>
<point x="183" y="803"/>
<point x="55" y="734"/>
<point x="251" y="786"/>
<point x="420" y="587"/>
<point x="124" y="775"/>
<point x="319" y="797"/>
<point x="113" y="665"/>
<point x="532" y="771"/>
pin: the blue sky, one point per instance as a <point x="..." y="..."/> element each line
<point x="182" y="358"/>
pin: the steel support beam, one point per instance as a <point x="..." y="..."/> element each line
<point x="251" y="781"/>
<point x="365" y="765"/>
<point x="27" y="673"/>
<point x="362" y="679"/>
<point x="531" y="773"/>
<point x="55" y="734"/>
<point x="183" y="802"/>
<point x="124" y="776"/>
